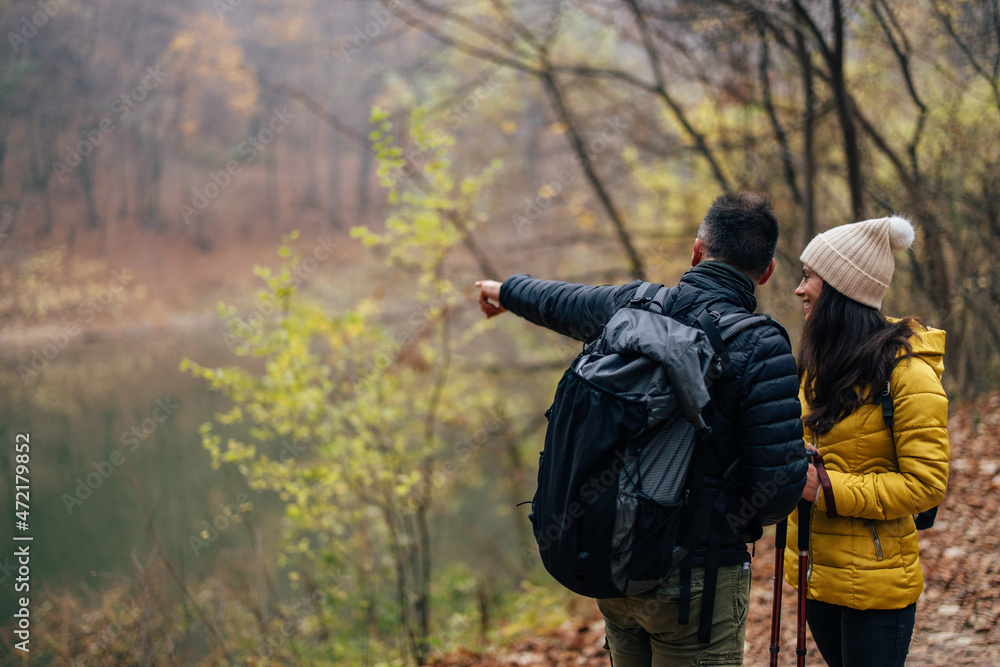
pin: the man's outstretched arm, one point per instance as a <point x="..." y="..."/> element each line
<point x="578" y="311"/>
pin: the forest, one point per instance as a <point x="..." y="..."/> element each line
<point x="268" y="423"/>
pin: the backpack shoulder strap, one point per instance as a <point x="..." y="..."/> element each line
<point x="885" y="399"/>
<point x="721" y="329"/>
<point x="649" y="296"/>
<point x="922" y="520"/>
<point x="737" y="322"/>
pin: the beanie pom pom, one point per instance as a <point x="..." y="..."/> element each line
<point x="901" y="233"/>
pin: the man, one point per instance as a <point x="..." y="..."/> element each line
<point x="757" y="422"/>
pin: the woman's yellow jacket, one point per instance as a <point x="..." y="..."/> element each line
<point x="868" y="556"/>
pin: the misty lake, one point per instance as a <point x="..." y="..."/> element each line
<point x="105" y="408"/>
<point x="97" y="413"/>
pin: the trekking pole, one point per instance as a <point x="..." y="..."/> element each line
<point x="805" y="509"/>
<point x="780" y="536"/>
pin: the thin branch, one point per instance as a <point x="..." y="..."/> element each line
<point x="321" y="111"/>
<point x="667" y="17"/>
<point x="779" y="131"/>
<point x="473" y="27"/>
<point x="600" y="72"/>
<point x="422" y="547"/>
<point x="576" y="140"/>
<point x="661" y="90"/>
<point x="324" y="48"/>
<point x="265" y="582"/>
<point x="903" y="57"/>
<point x="996" y="28"/>
<point x="457" y="95"/>
<point x="547" y="76"/>
<point x="209" y="625"/>
<point x="517" y="26"/>
<point x="945" y="20"/>
<point x="468" y="240"/>
<point x="808" y="138"/>
<point x="907" y="179"/>
<point x="547" y="73"/>
<point x="939" y="286"/>
<point x="806" y="18"/>
<point x="654" y="57"/>
<point x="460" y="45"/>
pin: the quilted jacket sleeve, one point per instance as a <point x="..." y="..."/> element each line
<point x="922" y="452"/>
<point x="577" y="311"/>
<point x="773" y="463"/>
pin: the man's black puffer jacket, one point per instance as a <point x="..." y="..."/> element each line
<point x="759" y="416"/>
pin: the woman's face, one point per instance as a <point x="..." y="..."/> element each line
<point x="809" y="289"/>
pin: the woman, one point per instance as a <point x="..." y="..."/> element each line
<point x="864" y="574"/>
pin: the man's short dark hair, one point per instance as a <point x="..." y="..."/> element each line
<point x="741" y="230"/>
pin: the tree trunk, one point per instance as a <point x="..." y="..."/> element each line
<point x="333" y="176"/>
<point x="39" y="144"/>
<point x="311" y="161"/>
<point x="365" y="167"/>
<point x="852" y="154"/>
<point x="271" y="182"/>
<point x="808" y="151"/>
<point x="4" y="129"/>
<point x="87" y="181"/>
<point x="422" y="584"/>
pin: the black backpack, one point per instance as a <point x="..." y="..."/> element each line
<point x="625" y="451"/>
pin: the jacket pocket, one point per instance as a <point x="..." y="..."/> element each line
<point x="875" y="539"/>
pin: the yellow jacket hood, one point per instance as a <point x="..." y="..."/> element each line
<point x="928" y="345"/>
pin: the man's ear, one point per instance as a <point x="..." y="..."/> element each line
<point x="767" y="274"/>
<point x="697" y="253"/>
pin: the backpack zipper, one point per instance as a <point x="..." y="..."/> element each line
<point x="878" y="545"/>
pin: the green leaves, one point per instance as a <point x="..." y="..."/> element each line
<point x="353" y="419"/>
<point x="431" y="208"/>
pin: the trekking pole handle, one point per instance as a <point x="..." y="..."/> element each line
<point x="816" y="458"/>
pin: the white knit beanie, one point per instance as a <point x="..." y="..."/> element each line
<point x="856" y="258"/>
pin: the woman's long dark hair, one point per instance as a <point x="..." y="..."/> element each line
<point x="846" y="355"/>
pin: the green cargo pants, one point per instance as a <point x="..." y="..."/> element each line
<point x="643" y="630"/>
